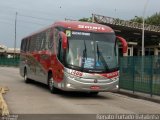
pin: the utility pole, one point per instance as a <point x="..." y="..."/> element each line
<point x="143" y="27"/>
<point x="93" y="18"/>
<point x="143" y="18"/>
<point x="15" y="40"/>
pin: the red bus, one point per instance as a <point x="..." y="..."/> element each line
<point x="72" y="56"/>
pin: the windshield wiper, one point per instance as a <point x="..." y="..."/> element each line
<point x="84" y="55"/>
<point x="85" y="50"/>
<point x="115" y="52"/>
<point x="100" y="56"/>
<point x="98" y="51"/>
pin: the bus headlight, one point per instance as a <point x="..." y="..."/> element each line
<point x="68" y="85"/>
<point x="117" y="86"/>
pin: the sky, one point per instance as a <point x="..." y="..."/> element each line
<point x="34" y="15"/>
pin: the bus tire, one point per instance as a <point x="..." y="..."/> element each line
<point x="51" y="87"/>
<point x="26" y="79"/>
<point x="94" y="93"/>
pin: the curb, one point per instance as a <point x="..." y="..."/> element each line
<point x="139" y="95"/>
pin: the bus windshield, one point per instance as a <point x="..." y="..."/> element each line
<point x="92" y="52"/>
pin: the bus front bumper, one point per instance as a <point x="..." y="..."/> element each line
<point x="76" y="85"/>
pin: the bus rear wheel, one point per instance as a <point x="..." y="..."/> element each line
<point x="51" y="84"/>
<point x="26" y="79"/>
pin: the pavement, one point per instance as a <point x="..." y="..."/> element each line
<point x="140" y="95"/>
<point x="35" y="98"/>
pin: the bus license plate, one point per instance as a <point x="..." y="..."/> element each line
<point x="94" y="87"/>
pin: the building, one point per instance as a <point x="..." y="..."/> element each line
<point x="11" y="52"/>
<point x="8" y="52"/>
<point x="132" y="32"/>
<point x="3" y="50"/>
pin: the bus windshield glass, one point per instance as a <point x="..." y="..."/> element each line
<point x="92" y="52"/>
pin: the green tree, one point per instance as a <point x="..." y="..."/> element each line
<point x="137" y="19"/>
<point x="152" y="20"/>
<point x="86" y="19"/>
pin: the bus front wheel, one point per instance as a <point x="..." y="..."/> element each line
<point x="51" y="84"/>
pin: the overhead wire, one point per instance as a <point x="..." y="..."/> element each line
<point x="22" y="9"/>
<point x="1" y="21"/>
<point x="30" y="16"/>
<point x="19" y="20"/>
<point x="39" y="18"/>
<point x="36" y="23"/>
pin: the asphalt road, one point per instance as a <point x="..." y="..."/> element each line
<point x="34" y="98"/>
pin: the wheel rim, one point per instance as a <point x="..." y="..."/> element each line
<point x="51" y="84"/>
<point x="25" y="76"/>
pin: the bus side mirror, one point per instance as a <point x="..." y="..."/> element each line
<point x="124" y="44"/>
<point x="64" y="40"/>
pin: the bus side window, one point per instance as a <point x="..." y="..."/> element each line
<point x="32" y="44"/>
<point x="60" y="50"/>
<point x="22" y="45"/>
<point x="38" y="44"/>
<point x="47" y="33"/>
<point x="58" y="41"/>
<point x="51" y="42"/>
<point x="43" y="41"/>
<point x="27" y="44"/>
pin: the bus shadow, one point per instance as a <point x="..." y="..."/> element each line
<point x="68" y="94"/>
<point x="81" y="95"/>
<point x="37" y="84"/>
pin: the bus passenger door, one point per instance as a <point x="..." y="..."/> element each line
<point x="58" y="71"/>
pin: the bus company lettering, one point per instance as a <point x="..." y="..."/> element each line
<point x="111" y="75"/>
<point x="91" y="27"/>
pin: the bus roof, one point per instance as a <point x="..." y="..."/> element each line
<point x="77" y="25"/>
<point x="84" y="26"/>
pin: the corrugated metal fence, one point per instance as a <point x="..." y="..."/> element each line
<point x="4" y="61"/>
<point x="140" y="74"/>
<point x="137" y="73"/>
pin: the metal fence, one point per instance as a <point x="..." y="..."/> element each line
<point x="137" y="73"/>
<point x="140" y="74"/>
<point x="4" y="61"/>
